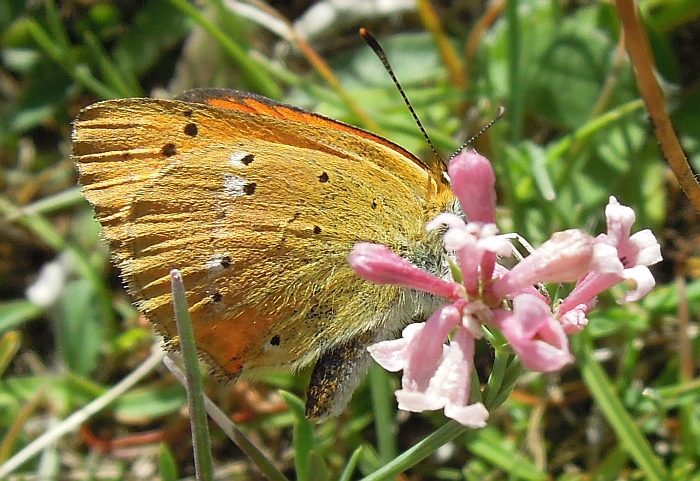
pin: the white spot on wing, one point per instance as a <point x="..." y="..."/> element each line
<point x="214" y="264"/>
<point x="268" y="346"/>
<point x="234" y="184"/>
<point x="236" y="159"/>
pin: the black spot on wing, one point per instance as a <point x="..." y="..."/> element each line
<point x="191" y="129"/>
<point x="169" y="149"/>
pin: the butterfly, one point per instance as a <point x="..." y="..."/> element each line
<point x="258" y="204"/>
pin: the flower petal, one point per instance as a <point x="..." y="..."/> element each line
<point x="417" y="401"/>
<point x="473" y="182"/>
<point x="605" y="258"/>
<point x="379" y="264"/>
<point x="644" y="279"/>
<point x="424" y="354"/>
<point x="647" y="250"/>
<point x="452" y="221"/>
<point x="473" y="416"/>
<point x="565" y="257"/>
<point x="449" y="385"/>
<point x="391" y="355"/>
<point x="619" y="219"/>
<point x="534" y="334"/>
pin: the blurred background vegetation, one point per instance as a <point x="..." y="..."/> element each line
<point x="575" y="132"/>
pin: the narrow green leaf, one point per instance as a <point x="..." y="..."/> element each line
<point x="303" y="435"/>
<point x="195" y="390"/>
<point x="615" y="413"/>
<point x="167" y="467"/>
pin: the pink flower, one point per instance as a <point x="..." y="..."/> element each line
<point x="566" y="256"/>
<point x="475" y="245"/>
<point x="436" y="357"/>
<point x="435" y="375"/>
<point x="534" y="334"/>
<point x="622" y="257"/>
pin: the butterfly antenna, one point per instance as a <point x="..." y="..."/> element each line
<point x="379" y="51"/>
<point x="499" y="114"/>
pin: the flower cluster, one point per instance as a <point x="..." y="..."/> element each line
<point x="437" y="356"/>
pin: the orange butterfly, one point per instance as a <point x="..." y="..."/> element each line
<point x="258" y="204"/>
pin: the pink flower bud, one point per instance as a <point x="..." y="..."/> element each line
<point x="473" y="182"/>
<point x="379" y="264"/>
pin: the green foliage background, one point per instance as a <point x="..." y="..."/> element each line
<point x="575" y="132"/>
